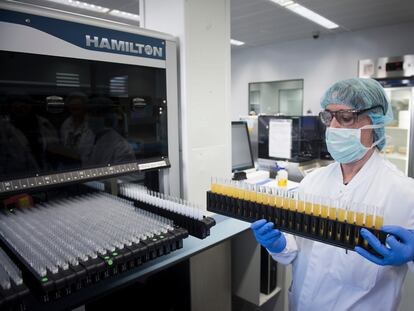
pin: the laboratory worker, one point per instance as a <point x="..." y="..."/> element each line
<point x="325" y="277"/>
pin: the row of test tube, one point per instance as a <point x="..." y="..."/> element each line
<point x="8" y="272"/>
<point x="54" y="235"/>
<point x="369" y="216"/>
<point x="160" y="200"/>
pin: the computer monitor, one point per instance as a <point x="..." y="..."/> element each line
<point x="295" y="139"/>
<point x="241" y="151"/>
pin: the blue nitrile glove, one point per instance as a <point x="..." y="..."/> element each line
<point x="272" y="239"/>
<point x="399" y="251"/>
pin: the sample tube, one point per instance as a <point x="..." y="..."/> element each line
<point x="350" y="220"/>
<point x="369" y="216"/>
<point x="379" y="217"/>
<point x="325" y="203"/>
<point x="279" y="198"/>
<point x="308" y="212"/>
<point x="359" y="214"/>
<point x="308" y="204"/>
<point x="214" y="184"/>
<point x="332" y="218"/>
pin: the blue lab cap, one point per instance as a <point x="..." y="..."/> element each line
<point x="362" y="93"/>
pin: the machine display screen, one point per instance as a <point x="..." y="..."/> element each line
<point x="62" y="114"/>
<point x="395" y="66"/>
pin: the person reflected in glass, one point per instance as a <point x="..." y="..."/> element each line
<point x="109" y="146"/>
<point x="75" y="133"/>
<point x="39" y="133"/>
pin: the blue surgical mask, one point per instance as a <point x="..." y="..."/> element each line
<point x="345" y="145"/>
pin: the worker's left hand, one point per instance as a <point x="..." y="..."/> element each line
<point x="398" y="251"/>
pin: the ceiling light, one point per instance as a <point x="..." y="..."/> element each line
<point x="236" y="42"/>
<point x="127" y="15"/>
<point x="306" y="13"/>
<point x="283" y="2"/>
<point x="82" y="5"/>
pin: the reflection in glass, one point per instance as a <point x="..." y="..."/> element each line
<point x="59" y="114"/>
<point x="277" y="97"/>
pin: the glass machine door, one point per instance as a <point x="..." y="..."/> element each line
<point x="398" y="132"/>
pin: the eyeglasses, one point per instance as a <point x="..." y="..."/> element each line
<point x="344" y="117"/>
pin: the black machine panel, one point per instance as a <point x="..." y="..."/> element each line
<point x="62" y="114"/>
<point x="307" y="138"/>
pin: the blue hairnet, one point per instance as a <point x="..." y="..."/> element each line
<point x="361" y="93"/>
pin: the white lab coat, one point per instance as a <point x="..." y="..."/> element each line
<point x="329" y="278"/>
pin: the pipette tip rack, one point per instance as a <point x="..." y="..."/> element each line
<point x="64" y="246"/>
<point x="13" y="292"/>
<point x="183" y="213"/>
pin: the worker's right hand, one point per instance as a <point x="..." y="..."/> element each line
<point x="272" y="239"/>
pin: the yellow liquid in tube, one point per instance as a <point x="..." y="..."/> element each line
<point x="332" y="213"/>
<point x="246" y="195"/>
<point x="292" y="204"/>
<point x="316" y="209"/>
<point x="259" y="198"/>
<point x="266" y="199"/>
<point x="241" y="194"/>
<point x="234" y="192"/>
<point x="359" y="218"/>
<point x="285" y="204"/>
<point x="301" y="206"/>
<point x="214" y="187"/>
<point x="324" y="212"/>
<point x="350" y="216"/>
<point x="279" y="201"/>
<point x="341" y="214"/>
<point x="272" y="200"/>
<point x="379" y="221"/>
<point x="252" y="196"/>
<point x="308" y="208"/>
<point x="369" y="221"/>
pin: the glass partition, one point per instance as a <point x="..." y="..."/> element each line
<point x="276" y="97"/>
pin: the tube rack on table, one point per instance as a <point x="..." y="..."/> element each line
<point x="66" y="245"/>
<point x="183" y="213"/>
<point x="292" y="215"/>
<point x="13" y="292"/>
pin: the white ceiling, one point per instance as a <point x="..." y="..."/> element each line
<point x="131" y="6"/>
<point x="261" y="22"/>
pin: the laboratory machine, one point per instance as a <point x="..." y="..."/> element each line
<point x="89" y="151"/>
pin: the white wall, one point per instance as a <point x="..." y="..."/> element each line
<point x="202" y="29"/>
<point x="319" y="62"/>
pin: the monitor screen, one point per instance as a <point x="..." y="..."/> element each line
<point x="62" y="114"/>
<point x="241" y="152"/>
<point x="296" y="139"/>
